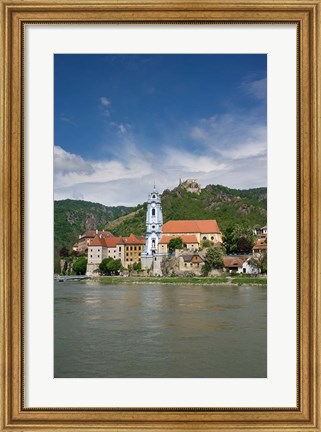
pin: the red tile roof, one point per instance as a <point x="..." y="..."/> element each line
<point x="97" y="241"/>
<point x="191" y="226"/>
<point x="188" y="239"/>
<point x="232" y="262"/>
<point x="134" y="240"/>
<point x="260" y="247"/>
<point x="112" y="242"/>
<point x="261" y="241"/>
<point x="93" y="233"/>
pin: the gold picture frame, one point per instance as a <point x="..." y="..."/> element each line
<point x="15" y="14"/>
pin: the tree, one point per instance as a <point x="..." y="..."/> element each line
<point x="206" y="243"/>
<point x="175" y="243"/>
<point x="64" y="270"/>
<point x="214" y="257"/>
<point x="63" y="252"/>
<point x="110" y="266"/>
<point x="130" y="269"/>
<point x="137" y="266"/>
<point x="115" y="266"/>
<point x="260" y="261"/>
<point x="80" y="266"/>
<point x="244" y="245"/>
<point x="238" y="239"/>
<point x="213" y="260"/>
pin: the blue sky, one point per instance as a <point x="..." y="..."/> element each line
<point x="123" y="121"/>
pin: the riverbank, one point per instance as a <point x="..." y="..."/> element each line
<point x="219" y="280"/>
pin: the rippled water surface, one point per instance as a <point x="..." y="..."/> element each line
<point x="174" y="331"/>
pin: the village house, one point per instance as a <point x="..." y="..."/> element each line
<point x="250" y="268"/>
<point x="85" y="239"/>
<point x="127" y="249"/>
<point x="133" y="246"/>
<point x="191" y="263"/>
<point x="259" y="248"/>
<point x="233" y="264"/>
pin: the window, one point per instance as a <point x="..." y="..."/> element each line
<point x="131" y="248"/>
<point x="212" y="238"/>
<point x="185" y="264"/>
<point x="91" y="250"/>
<point x="135" y="248"/>
<point x="153" y="212"/>
<point x="119" y="248"/>
<point x="139" y="254"/>
<point x="97" y="256"/>
<point x="127" y="254"/>
<point x="98" y="250"/>
<point x="204" y="238"/>
<point x="91" y="256"/>
<point x="153" y="196"/>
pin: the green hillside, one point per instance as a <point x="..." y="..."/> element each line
<point x="73" y="217"/>
<point x="227" y="206"/>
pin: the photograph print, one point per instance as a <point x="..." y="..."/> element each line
<point x="160" y="216"/>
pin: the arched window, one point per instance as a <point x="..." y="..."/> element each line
<point x="153" y="212"/>
<point x="154" y="196"/>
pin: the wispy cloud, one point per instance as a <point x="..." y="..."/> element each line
<point x="121" y="128"/>
<point x="104" y="104"/>
<point x="198" y="133"/>
<point x="66" y="118"/>
<point x="255" y="87"/>
<point x="230" y="150"/>
<point x="231" y="136"/>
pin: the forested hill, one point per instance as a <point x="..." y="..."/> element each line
<point x="74" y="217"/>
<point x="227" y="206"/>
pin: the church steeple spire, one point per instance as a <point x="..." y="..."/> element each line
<point x="154" y="223"/>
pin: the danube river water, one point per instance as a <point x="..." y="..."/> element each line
<point x="158" y="331"/>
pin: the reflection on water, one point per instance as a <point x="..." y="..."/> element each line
<point x="158" y="331"/>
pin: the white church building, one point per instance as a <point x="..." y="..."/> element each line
<point x="150" y="258"/>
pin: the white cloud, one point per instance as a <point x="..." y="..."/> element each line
<point x="104" y="104"/>
<point x="255" y="88"/>
<point x="198" y="134"/>
<point x="226" y="149"/>
<point x="67" y="163"/>
<point x="104" y="101"/>
<point x="122" y="128"/>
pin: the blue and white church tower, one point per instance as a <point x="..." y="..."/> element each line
<point x="154" y="223"/>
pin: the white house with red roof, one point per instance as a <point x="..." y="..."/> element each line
<point x="87" y="237"/>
